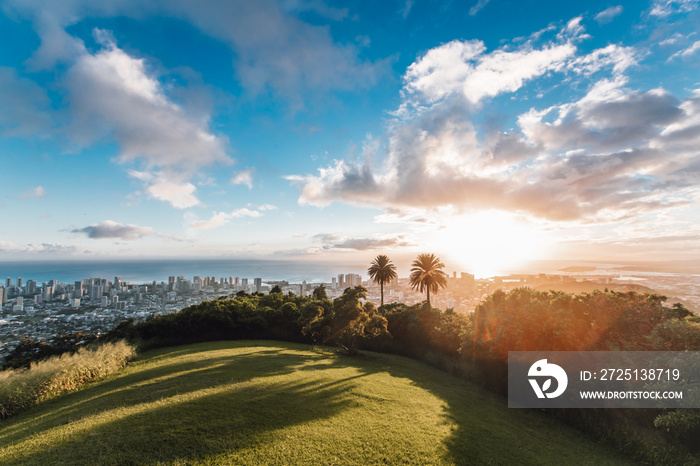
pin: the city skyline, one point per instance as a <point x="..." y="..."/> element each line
<point x="491" y="133"/>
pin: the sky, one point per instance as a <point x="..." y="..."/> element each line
<point x="489" y="132"/>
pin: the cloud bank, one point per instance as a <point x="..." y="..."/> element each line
<point x="612" y="153"/>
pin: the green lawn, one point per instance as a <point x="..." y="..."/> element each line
<point x="253" y="402"/>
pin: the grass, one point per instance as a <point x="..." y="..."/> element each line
<point x="279" y="403"/>
<point x="21" y="389"/>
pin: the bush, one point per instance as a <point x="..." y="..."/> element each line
<point x="21" y="389"/>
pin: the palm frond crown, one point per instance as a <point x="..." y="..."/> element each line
<point x="427" y="274"/>
<point x="382" y="271"/>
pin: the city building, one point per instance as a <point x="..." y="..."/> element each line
<point x="31" y="287"/>
<point x="352" y="280"/>
<point x="47" y="293"/>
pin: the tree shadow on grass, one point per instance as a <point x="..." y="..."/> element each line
<point x="173" y="413"/>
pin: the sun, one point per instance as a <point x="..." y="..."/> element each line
<point x="489" y="243"/>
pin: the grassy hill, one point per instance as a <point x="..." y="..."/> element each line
<point x="260" y="402"/>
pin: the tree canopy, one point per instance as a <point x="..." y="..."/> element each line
<point x="348" y="322"/>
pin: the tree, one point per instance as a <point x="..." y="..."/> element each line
<point x="276" y="289"/>
<point x="382" y="271"/>
<point x="427" y="274"/>
<point x="319" y="293"/>
<point x="346" y="323"/>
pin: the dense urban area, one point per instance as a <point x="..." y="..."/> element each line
<point x="96" y="305"/>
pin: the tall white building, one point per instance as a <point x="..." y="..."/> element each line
<point x="31" y="286"/>
<point x="352" y="280"/>
<point x="95" y="291"/>
<point x="47" y="292"/>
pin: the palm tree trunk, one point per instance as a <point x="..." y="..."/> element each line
<point x="381" y="285"/>
<point x="428" y="296"/>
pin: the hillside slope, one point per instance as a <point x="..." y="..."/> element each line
<point x="278" y="403"/>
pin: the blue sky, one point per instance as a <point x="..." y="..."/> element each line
<point x="492" y="132"/>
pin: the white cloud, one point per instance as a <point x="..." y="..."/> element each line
<point x="57" y="46"/>
<point x="171" y="188"/>
<point x="687" y="52"/>
<point x="442" y="70"/>
<point x="406" y="9"/>
<point x="267" y="207"/>
<point x="477" y="8"/>
<point x="462" y="68"/>
<point x="608" y="14"/>
<point x="112" y="95"/>
<point x="244" y="177"/>
<point x="507" y="71"/>
<point x="111" y="229"/>
<point x="617" y="57"/>
<point x="42" y="248"/>
<point x="33" y="193"/>
<point x="330" y="241"/>
<point x="672" y="40"/>
<point x="668" y="7"/>
<point x="221" y="218"/>
<point x="179" y="195"/>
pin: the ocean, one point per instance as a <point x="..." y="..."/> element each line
<point x="146" y="271"/>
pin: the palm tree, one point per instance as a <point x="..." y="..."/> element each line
<point x="427" y="274"/>
<point x="382" y="271"/>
